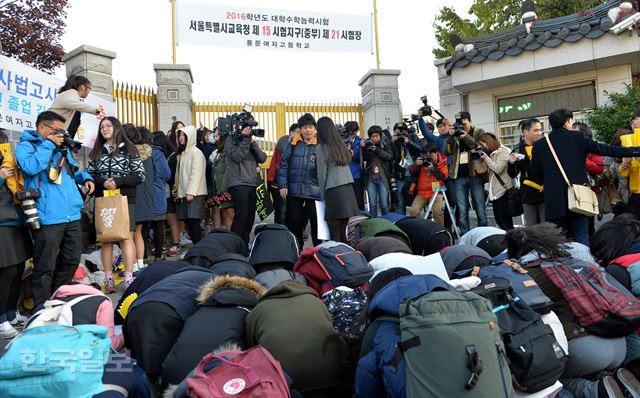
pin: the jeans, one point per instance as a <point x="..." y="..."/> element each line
<point x="378" y="193"/>
<point x="579" y="225"/>
<point x="244" y="206"/>
<point x="474" y="186"/>
<point x="401" y="207"/>
<point x="57" y="250"/>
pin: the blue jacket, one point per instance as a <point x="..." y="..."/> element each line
<point x="440" y="140"/>
<point x="162" y="176"/>
<point x="58" y="203"/>
<point x="298" y="172"/>
<point x="375" y="376"/>
<point x="355" y="166"/>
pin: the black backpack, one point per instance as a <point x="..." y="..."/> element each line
<point x="536" y="359"/>
<point x="273" y="247"/>
<point x="213" y="245"/>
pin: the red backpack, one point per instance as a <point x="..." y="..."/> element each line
<point x="599" y="302"/>
<point x="238" y="374"/>
<point x="333" y="264"/>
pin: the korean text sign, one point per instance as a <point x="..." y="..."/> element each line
<point x="24" y="93"/>
<point x="241" y="27"/>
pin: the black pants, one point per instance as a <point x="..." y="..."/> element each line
<point x="10" y="281"/>
<point x="150" y="331"/>
<point x="359" y="191"/>
<point x="193" y="228"/>
<point x="56" y="253"/>
<point x="299" y="210"/>
<point x="338" y="229"/>
<point x="633" y="206"/>
<point x="158" y="236"/>
<point x="279" y="205"/>
<point x="501" y="214"/>
<point x="244" y="205"/>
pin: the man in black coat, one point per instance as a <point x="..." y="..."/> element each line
<point x="572" y="148"/>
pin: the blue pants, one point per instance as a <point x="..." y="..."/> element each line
<point x="401" y="207"/>
<point x="577" y="224"/>
<point x="474" y="186"/>
<point x="378" y="194"/>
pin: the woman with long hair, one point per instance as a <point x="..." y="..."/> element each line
<point x="69" y="102"/>
<point x="220" y="186"/>
<point x="177" y="227"/>
<point x="334" y="179"/>
<point x="496" y="156"/>
<point x="161" y="178"/>
<point x="114" y="163"/>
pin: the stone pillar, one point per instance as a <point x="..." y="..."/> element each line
<point x="450" y="97"/>
<point x="95" y="64"/>
<point x="174" y="94"/>
<point x="380" y="98"/>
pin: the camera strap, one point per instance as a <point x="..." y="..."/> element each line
<point x="55" y="173"/>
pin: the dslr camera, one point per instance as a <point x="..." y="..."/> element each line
<point x="28" y="197"/>
<point x="477" y="153"/>
<point x="369" y="146"/>
<point x="68" y="141"/>
<point x="426" y="161"/>
<point x="234" y="124"/>
<point x="344" y="135"/>
<point x="426" y="109"/>
<point x="458" y="128"/>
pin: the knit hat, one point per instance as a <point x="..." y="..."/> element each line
<point x="384" y="278"/>
<point x="373" y="247"/>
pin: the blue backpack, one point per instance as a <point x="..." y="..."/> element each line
<point x="55" y="361"/>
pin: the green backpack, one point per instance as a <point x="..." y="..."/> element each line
<point x="452" y="347"/>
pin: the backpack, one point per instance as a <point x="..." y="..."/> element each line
<point x="451" y="346"/>
<point x="426" y="236"/>
<point x="68" y="311"/>
<point x="346" y="307"/>
<point x="55" y="361"/>
<point x="252" y="373"/>
<point x="598" y="301"/>
<point x="460" y="260"/>
<point x="332" y="264"/>
<point x="522" y="283"/>
<point x="536" y="359"/>
<point x="376" y="227"/>
<point x="213" y="245"/>
<point x="273" y="244"/>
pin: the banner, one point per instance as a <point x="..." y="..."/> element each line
<point x="89" y="123"/>
<point x="241" y="27"/>
<point x="24" y="93"/>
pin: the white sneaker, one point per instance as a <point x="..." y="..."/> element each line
<point x="185" y="241"/>
<point x="7" y="331"/>
<point x="19" y="321"/>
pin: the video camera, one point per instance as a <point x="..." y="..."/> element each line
<point x="234" y="124"/>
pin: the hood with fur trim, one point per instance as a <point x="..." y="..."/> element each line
<point x="145" y="151"/>
<point x="227" y="290"/>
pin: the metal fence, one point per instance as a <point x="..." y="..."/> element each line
<point x="136" y="104"/>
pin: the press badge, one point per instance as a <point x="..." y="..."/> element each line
<point x="55" y="176"/>
<point x="464" y="157"/>
<point x="376" y="170"/>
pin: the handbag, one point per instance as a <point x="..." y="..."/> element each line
<point x="514" y="199"/>
<point x="580" y="199"/>
<point x="111" y="218"/>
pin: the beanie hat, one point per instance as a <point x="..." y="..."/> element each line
<point x="384" y="278"/>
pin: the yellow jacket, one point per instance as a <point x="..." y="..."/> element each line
<point x="15" y="183"/>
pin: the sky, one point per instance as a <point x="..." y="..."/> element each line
<point x="139" y="31"/>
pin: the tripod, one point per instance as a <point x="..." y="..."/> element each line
<point x="441" y="191"/>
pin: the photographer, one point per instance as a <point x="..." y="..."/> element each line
<point x="407" y="148"/>
<point x="469" y="174"/>
<point x="243" y="157"/>
<point x="69" y="104"/>
<point x="431" y="171"/>
<point x="353" y="143"/>
<point x="496" y="156"/>
<point x="376" y="173"/>
<point x="48" y="166"/>
<point x="519" y="160"/>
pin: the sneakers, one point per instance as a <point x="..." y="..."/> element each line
<point x="109" y="286"/>
<point x="7" y="331"/>
<point x="184" y="240"/>
<point x="609" y="388"/>
<point x="173" y="251"/>
<point x="628" y="382"/>
<point x="19" y="321"/>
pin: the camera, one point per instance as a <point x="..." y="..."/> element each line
<point x="369" y="146"/>
<point x="344" y="135"/>
<point x="426" y="161"/>
<point x="426" y="109"/>
<point x="68" y="141"/>
<point x="477" y="153"/>
<point x="28" y="198"/>
<point x="458" y="128"/>
<point x="234" y="124"/>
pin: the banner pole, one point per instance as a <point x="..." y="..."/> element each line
<point x="375" y="26"/>
<point x="173" y="29"/>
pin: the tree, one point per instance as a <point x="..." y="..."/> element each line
<point x="605" y="120"/>
<point x="30" y="31"/>
<point x="490" y="16"/>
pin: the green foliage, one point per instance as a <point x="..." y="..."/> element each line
<point x="490" y="16"/>
<point x="605" y="120"/>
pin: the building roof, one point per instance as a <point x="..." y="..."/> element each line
<point x="590" y="24"/>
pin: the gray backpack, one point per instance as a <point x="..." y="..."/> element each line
<point x="452" y="347"/>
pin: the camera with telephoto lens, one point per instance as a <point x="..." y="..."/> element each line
<point x="458" y="128"/>
<point x="234" y="124"/>
<point x="393" y="184"/>
<point x="28" y="198"/>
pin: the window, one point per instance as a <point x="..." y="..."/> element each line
<point x="532" y="105"/>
